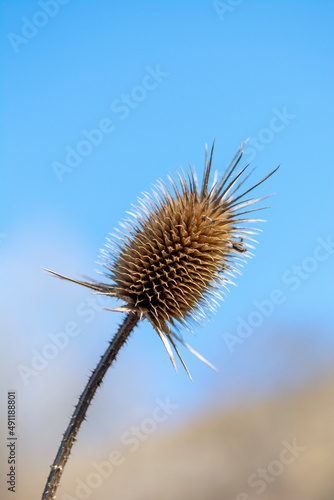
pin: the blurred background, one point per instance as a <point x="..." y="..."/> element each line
<point x="100" y="99"/>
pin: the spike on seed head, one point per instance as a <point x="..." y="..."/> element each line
<point x="178" y="249"/>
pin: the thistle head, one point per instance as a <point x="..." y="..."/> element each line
<point x="179" y="249"/>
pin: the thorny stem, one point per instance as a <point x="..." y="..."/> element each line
<point x="85" y="399"/>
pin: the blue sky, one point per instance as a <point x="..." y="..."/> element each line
<point x="160" y="80"/>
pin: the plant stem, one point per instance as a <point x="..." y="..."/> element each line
<point x="85" y="399"/>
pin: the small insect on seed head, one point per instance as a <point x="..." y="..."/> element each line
<point x="179" y="250"/>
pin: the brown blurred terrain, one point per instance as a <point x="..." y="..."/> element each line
<point x="273" y="450"/>
<point x="215" y="458"/>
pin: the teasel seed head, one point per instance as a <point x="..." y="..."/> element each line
<point x="178" y="251"/>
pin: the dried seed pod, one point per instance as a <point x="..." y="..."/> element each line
<point x="179" y="250"/>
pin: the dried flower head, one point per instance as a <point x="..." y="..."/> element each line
<point x="180" y="249"/>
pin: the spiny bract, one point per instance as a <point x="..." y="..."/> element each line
<point x="179" y="250"/>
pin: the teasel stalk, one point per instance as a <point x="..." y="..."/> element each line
<point x="170" y="263"/>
